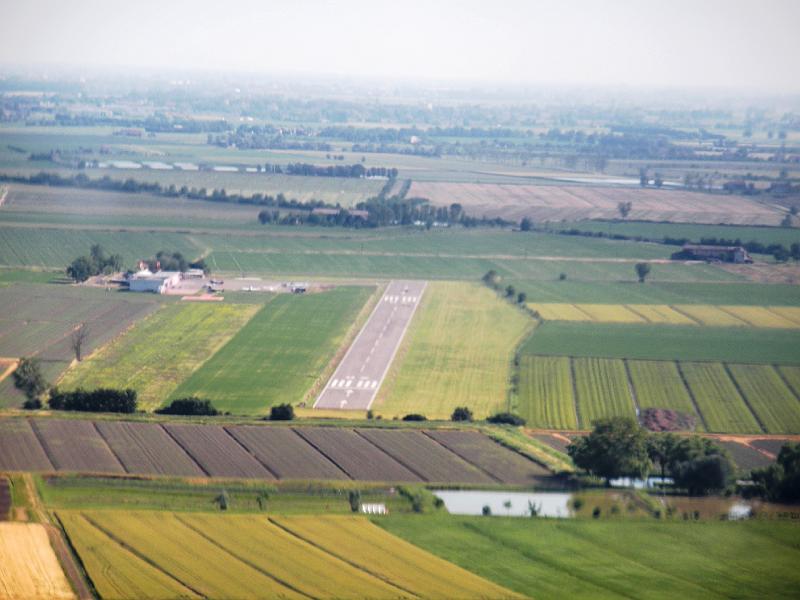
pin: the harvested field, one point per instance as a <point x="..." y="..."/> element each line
<point x="279" y="355"/>
<point x="695" y="314"/>
<point x="411" y="570"/>
<point x="546" y="392"/>
<point x="458" y="352"/>
<point x="286" y="454"/>
<point x="29" y="568"/>
<point x="563" y="203"/>
<point x="158" y="353"/>
<point x="502" y="464"/>
<point x="602" y="388"/>
<point x="5" y="498"/>
<point x="556" y="442"/>
<point x="420" y="454"/>
<point x="718" y="399"/>
<point x="116" y="572"/>
<point x="217" y="453"/>
<point x="20" y="449"/>
<point x="773" y="446"/>
<point x="76" y="446"/>
<point x="355" y="455"/>
<point x="146" y="449"/>
<point x="775" y="405"/>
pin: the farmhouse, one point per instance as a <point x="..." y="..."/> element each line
<point x="157" y="283"/>
<point x="734" y="254"/>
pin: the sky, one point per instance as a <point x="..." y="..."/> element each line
<point x="740" y="44"/>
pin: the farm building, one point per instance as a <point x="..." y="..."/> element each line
<point x="734" y="254"/>
<point x="157" y="283"/>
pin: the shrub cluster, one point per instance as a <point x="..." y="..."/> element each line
<point x="281" y="412"/>
<point x="99" y="400"/>
<point x="506" y="418"/>
<point x="189" y="406"/>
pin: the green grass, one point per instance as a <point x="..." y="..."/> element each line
<point x="157" y="354"/>
<point x="602" y="387"/>
<point x="458" y="352"/>
<point x="658" y="384"/>
<point x="10" y="276"/>
<point x="545" y="392"/>
<point x="600" y="292"/>
<point x="545" y="558"/>
<point x="722" y="406"/>
<point x="774" y="403"/>
<point x="665" y="342"/>
<point x="657" y="231"/>
<point x="279" y="355"/>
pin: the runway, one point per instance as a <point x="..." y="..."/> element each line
<point x="359" y="376"/>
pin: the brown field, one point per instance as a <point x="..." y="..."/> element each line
<point x="566" y="203"/>
<point x="355" y="455"/>
<point x="146" y="449"/>
<point x="19" y="448"/>
<point x="76" y="446"/>
<point x="287" y="454"/>
<point x="501" y="464"/>
<point x="431" y="461"/>
<point x="242" y="451"/>
<point x="28" y="566"/>
<point x="217" y="453"/>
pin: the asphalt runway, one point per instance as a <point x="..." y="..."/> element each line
<point x="359" y="376"/>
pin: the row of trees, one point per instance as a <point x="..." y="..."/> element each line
<point x="620" y="447"/>
<point x="98" y="400"/>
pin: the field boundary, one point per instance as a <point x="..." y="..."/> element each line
<point x="246" y="449"/>
<point x="391" y="455"/>
<point x="578" y="418"/>
<point x="482" y="470"/>
<point x="691" y="395"/>
<point x="110" y="449"/>
<point x="70" y="561"/>
<point x="631" y="387"/>
<point x="744" y="397"/>
<point x="185" y="451"/>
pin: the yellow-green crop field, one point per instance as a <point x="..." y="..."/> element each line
<point x="158" y="353"/>
<point x="780" y="317"/>
<point x="722" y="397"/>
<point x="166" y="555"/>
<point x="458" y="352"/>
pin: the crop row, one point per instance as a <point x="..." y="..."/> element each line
<point x="730" y="398"/>
<point x="780" y="317"/>
<point x="159" y="555"/>
<point x="259" y="452"/>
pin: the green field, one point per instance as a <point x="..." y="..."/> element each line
<point x="458" y="352"/>
<point x="602" y="387"/>
<point x="280" y="354"/>
<point x="773" y="402"/>
<point x="665" y="342"/>
<point x="657" y="231"/>
<point x="558" y="558"/>
<point x="546" y="398"/>
<point x="157" y="354"/>
<point x="658" y="384"/>
<point x="56" y="248"/>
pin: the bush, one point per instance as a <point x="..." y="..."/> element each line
<point x="506" y="418"/>
<point x="189" y="406"/>
<point x="28" y="378"/>
<point x="354" y="497"/>
<point x="281" y="412"/>
<point x="99" y="400"/>
<point x="461" y="413"/>
<point x="415" y="417"/>
<point x="32" y="404"/>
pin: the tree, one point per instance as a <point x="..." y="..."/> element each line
<point x="510" y="291"/>
<point x="658" y="181"/>
<point x="281" y="412"/>
<point x="525" y="224"/>
<point x="189" y="406"/>
<point x="506" y="418"/>
<point x="28" y="378"/>
<point x="354" y="497"/>
<point x="522" y="297"/>
<point x="780" y="482"/>
<point x="78" y="340"/>
<point x="491" y="278"/>
<point x="643" y="178"/>
<point x="80" y="269"/>
<point x="461" y="413"/>
<point x="642" y="271"/>
<point x="616" y="447"/>
<point x="624" y="209"/>
<point x="415" y="417"/>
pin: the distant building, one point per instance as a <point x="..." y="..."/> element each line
<point x="156" y="283"/>
<point x="194" y="274"/>
<point x="332" y="212"/>
<point x="734" y="254"/>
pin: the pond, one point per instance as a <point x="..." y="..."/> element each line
<point x="513" y="504"/>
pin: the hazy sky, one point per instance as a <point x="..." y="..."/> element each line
<point x="739" y="43"/>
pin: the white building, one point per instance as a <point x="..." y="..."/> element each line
<point x="157" y="283"/>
